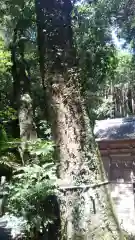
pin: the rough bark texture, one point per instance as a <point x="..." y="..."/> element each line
<point x="27" y="126"/>
<point x="85" y="214"/>
<point x="26" y="123"/>
<point x="22" y="101"/>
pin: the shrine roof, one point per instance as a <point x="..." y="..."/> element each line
<point x="115" y="129"/>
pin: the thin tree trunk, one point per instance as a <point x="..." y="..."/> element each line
<point x="85" y="214"/>
<point x="22" y="100"/>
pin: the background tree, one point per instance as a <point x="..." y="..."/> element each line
<point x="19" y="67"/>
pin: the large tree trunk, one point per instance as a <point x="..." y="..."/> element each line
<point x="86" y="213"/>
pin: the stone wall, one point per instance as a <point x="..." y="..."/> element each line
<point x="123" y="197"/>
<point x="119" y="163"/>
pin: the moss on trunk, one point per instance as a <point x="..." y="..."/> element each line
<point x="85" y="214"/>
<point x="22" y="101"/>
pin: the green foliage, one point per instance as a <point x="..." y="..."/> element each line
<point x="5" y="62"/>
<point x="44" y="130"/>
<point x="5" y="78"/>
<point x="43" y="148"/>
<point x="96" y="53"/>
<point x="123" y="78"/>
<point x="30" y="187"/>
<point x="105" y="109"/>
<point x="14" y="12"/>
<point x="8" y="158"/>
<point x="125" y="20"/>
<point x="125" y="70"/>
<point x="8" y="114"/>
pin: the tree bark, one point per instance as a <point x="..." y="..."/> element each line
<point x="21" y="94"/>
<point x="85" y="214"/>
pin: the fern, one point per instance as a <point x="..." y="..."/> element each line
<point x="31" y="184"/>
<point x="30" y="187"/>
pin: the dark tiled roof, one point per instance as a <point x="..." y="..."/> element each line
<point x="115" y="129"/>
